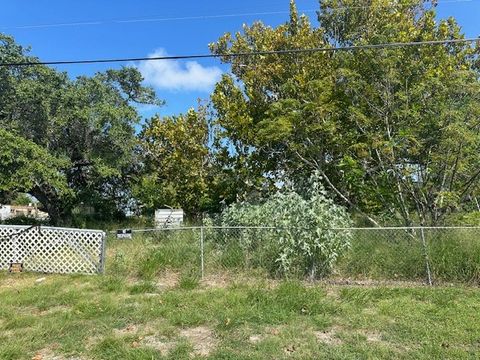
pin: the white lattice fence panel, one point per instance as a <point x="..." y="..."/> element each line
<point x="52" y="250"/>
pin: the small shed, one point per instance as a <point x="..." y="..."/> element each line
<point x="5" y="212"/>
<point x="168" y="218"/>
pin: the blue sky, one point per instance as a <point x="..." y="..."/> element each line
<point x="108" y="36"/>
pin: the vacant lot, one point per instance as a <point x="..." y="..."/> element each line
<point x="151" y="304"/>
<point x="79" y="317"/>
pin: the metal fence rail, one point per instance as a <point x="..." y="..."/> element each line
<point x="52" y="250"/>
<point x="428" y="254"/>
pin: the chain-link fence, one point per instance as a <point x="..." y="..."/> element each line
<point x="431" y="255"/>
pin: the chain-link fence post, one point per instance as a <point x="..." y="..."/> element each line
<point x="427" y="262"/>
<point x="202" y="245"/>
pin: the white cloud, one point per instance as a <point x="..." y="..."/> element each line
<point x="175" y="75"/>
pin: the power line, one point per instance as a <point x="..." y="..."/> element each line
<point x="245" y="54"/>
<point x="205" y="17"/>
<point x="153" y="19"/>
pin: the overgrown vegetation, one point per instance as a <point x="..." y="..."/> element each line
<point x="303" y="241"/>
<point x="374" y="255"/>
<point x="393" y="132"/>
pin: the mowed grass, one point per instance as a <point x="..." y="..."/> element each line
<point x="152" y="304"/>
<point x="111" y="318"/>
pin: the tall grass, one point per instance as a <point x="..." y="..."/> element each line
<point x="453" y="255"/>
<point x="383" y="255"/>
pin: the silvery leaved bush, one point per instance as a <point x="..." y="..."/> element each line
<point x="309" y="233"/>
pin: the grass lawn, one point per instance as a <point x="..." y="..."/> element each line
<point x="116" y="317"/>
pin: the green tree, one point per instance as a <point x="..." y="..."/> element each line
<point x="22" y="199"/>
<point x="88" y="124"/>
<point x="394" y="132"/>
<point x="177" y="163"/>
<point x="25" y="165"/>
<point x="303" y="245"/>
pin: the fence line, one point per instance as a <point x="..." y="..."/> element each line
<point x="290" y="228"/>
<point x="429" y="254"/>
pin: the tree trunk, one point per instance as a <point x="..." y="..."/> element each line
<point x="58" y="209"/>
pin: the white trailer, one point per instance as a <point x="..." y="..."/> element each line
<point x="168" y="218"/>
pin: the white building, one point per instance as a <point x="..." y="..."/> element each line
<point x="5" y="212"/>
<point x="12" y="211"/>
<point x="168" y="218"/>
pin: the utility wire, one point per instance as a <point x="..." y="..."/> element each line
<point x="206" y="17"/>
<point x="247" y="54"/>
<point x="154" y="19"/>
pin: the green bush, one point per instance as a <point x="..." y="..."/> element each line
<point x="302" y="242"/>
<point x="25" y="220"/>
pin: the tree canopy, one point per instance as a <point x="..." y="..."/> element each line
<point x="68" y="142"/>
<point x="394" y="132"/>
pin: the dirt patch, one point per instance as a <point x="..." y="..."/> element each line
<point x="54" y="310"/>
<point x="202" y="339"/>
<point x="328" y="337"/>
<point x="160" y="344"/>
<point x="168" y="280"/>
<point x="254" y="339"/>
<point x="48" y="354"/>
<point x="333" y="293"/>
<point x="275" y="331"/>
<point x="226" y="279"/>
<point x="7" y="333"/>
<point x="16" y="281"/>
<point x="372" y="336"/>
<point x="217" y="281"/>
<point x="128" y="330"/>
<point x="92" y="341"/>
<point x="290" y="349"/>
<point x="370" y="311"/>
<point x="370" y="283"/>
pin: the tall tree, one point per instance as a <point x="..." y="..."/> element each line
<point x="89" y="122"/>
<point x="177" y="163"/>
<point x="394" y="132"/>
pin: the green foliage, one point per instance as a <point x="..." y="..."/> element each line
<point x="392" y="255"/>
<point x="24" y="220"/>
<point x="112" y="283"/>
<point x="189" y="281"/>
<point x="174" y="251"/>
<point x="177" y="170"/>
<point x="68" y="142"/>
<point x="22" y="199"/>
<point x="453" y="255"/>
<point x="143" y="287"/>
<point x="23" y="164"/>
<point x="306" y="242"/>
<point x="393" y="132"/>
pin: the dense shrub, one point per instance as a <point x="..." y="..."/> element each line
<point x="307" y="239"/>
<point x="24" y="220"/>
